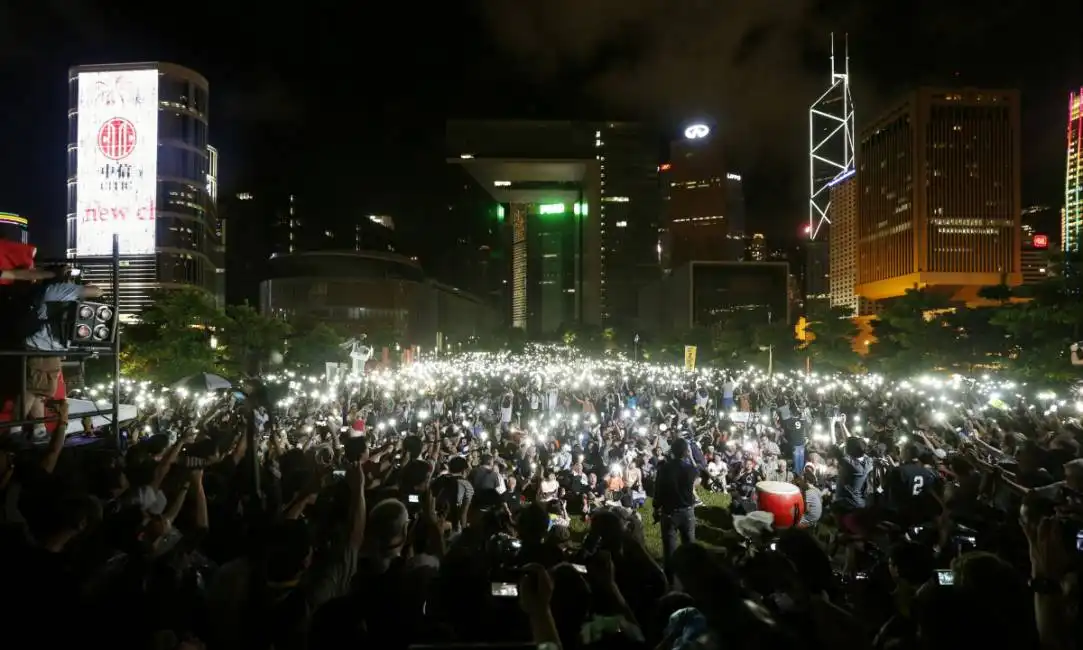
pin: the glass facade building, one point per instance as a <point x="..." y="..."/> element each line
<point x="186" y="231"/>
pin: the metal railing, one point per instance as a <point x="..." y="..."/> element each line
<point x="82" y="354"/>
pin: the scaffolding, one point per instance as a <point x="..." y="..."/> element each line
<point x="831" y="142"/>
<point x="82" y="354"/>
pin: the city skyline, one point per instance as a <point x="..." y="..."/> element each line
<point x="269" y="103"/>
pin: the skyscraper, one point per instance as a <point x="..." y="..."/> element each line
<point x="843" y="245"/>
<point x="138" y="167"/>
<point x="939" y="194"/>
<point x="583" y="197"/>
<point x="629" y="215"/>
<point x="701" y="226"/>
<point x="1039" y="239"/>
<point x="1072" y="225"/>
<point x="546" y="178"/>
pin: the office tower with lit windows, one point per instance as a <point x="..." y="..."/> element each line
<point x="138" y="167"/>
<point x="756" y="248"/>
<point x="842" y="236"/>
<point x="1072" y="224"/>
<point x="629" y="215"/>
<point x="939" y="194"/>
<point x="705" y="211"/>
<point x="271" y="223"/>
<point x="1039" y="226"/>
<point x="580" y="204"/>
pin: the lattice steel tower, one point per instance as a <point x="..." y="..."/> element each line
<point x="831" y="141"/>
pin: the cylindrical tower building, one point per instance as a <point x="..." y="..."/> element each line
<point x="138" y="166"/>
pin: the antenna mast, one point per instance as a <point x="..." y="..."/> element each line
<point x="831" y="141"/>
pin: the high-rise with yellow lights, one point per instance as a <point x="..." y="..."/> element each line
<point x="939" y="194"/>
<point x="1072" y="224"/>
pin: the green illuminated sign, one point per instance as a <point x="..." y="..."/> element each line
<point x="579" y="209"/>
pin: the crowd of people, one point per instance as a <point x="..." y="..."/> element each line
<point x="513" y="500"/>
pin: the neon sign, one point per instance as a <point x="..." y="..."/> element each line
<point x="697" y="131"/>
<point x="1041" y="241"/>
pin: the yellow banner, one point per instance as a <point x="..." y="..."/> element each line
<point x="689" y="357"/>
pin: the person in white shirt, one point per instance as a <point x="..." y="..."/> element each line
<point x="505" y="409"/>
<point x="717" y="469"/>
<point x="578" y="475"/>
<point x="549" y="487"/>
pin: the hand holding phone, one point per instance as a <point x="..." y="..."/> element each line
<point x="505" y="590"/>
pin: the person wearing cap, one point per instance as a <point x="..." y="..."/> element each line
<point x="675" y="500"/>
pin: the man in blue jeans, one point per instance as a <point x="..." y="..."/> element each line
<point x="675" y="500"/>
<point x="794" y="427"/>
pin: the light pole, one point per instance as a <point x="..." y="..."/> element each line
<point x="770" y="348"/>
<point x="635" y="348"/>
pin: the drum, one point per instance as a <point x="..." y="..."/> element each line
<point x="783" y="500"/>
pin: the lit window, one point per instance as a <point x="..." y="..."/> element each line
<point x="621" y="224"/>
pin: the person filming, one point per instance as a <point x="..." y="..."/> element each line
<point x="675" y="500"/>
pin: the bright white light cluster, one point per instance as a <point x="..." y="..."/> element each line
<point x="939" y="398"/>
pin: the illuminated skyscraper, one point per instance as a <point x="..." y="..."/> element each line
<point x="831" y="143"/>
<point x="1072" y="225"/>
<point x="546" y="178"/>
<point x="138" y="167"/>
<point x="939" y="194"/>
<point x="706" y="205"/>
<point x="843" y="249"/>
<point x="580" y="209"/>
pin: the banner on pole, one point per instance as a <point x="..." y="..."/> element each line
<point x="689" y="357"/>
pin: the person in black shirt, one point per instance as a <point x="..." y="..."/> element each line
<point x="745" y="485"/>
<point x="675" y="500"/>
<point x="484" y="478"/>
<point x="914" y="488"/>
<point x="794" y="426"/>
<point x="855" y="466"/>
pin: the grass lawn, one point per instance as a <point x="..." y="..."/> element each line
<point x="713" y="523"/>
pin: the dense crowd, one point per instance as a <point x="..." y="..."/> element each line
<point x="552" y="501"/>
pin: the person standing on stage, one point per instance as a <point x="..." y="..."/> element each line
<point x="675" y="500"/>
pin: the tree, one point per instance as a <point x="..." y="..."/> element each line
<point x="313" y="344"/>
<point x="979" y="343"/>
<point x="1039" y="331"/>
<point x="909" y="335"/>
<point x="248" y="339"/>
<point x="172" y="339"/>
<point x="832" y="333"/>
<point x="748" y="337"/>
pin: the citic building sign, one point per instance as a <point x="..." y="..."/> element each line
<point x="117" y="162"/>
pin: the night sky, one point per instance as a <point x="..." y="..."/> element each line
<point x="348" y="100"/>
